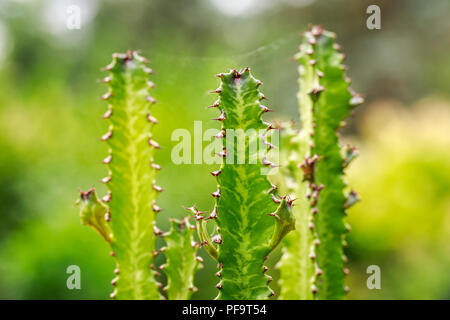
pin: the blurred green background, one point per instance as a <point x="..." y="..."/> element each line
<point x="50" y="121"/>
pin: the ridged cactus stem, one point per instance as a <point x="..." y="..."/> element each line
<point x="132" y="191"/>
<point x="249" y="224"/>
<point x="313" y="262"/>
<point x="182" y="260"/>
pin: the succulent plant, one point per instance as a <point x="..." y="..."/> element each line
<point x="249" y="219"/>
<point x="126" y="215"/>
<point x="313" y="261"/>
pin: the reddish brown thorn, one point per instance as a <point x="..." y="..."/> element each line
<point x="316" y="30"/>
<point x="221" y="117"/>
<point x="106" y="179"/>
<point x="106" y="136"/>
<point x="153" y="143"/>
<point x="157" y="231"/>
<point x="314" y="289"/>
<point x="216" y="194"/>
<point x="214" y="105"/>
<point x="112" y="253"/>
<point x="156" y="208"/>
<point x="275" y="199"/>
<point x="264" y="108"/>
<point x="218" y="90"/>
<point x="107" y="95"/>
<point x="106" y="79"/>
<point x="152" y="119"/>
<point x="218" y="274"/>
<point x="108" y="114"/>
<point x="223" y="153"/>
<point x="116" y="271"/>
<point x="269" y="126"/>
<point x="148" y="70"/>
<point x="217" y="239"/>
<point x="107" y="216"/>
<point x="216" y="173"/>
<point x="155" y="166"/>
<point x="107" y="198"/>
<point x="214" y="213"/>
<point x="273" y="188"/>
<point x="157" y="188"/>
<point x="150" y="99"/>
<point x="266" y="162"/>
<point x="107" y="159"/>
<point x="221" y="134"/>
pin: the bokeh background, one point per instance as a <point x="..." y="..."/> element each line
<point x="50" y="121"/>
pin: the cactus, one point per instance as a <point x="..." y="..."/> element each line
<point x="312" y="265"/>
<point x="250" y="220"/>
<point x="182" y="260"/>
<point x="126" y="216"/>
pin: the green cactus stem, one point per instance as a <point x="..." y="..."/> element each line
<point x="182" y="260"/>
<point x="249" y="220"/>
<point x="132" y="191"/>
<point x="312" y="265"/>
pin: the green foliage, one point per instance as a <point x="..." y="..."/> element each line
<point x="182" y="260"/>
<point x="314" y="169"/>
<point x="249" y="223"/>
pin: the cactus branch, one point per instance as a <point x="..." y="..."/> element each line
<point x="132" y="191"/>
<point x="182" y="260"/>
<point x="325" y="100"/>
<point x="249" y="224"/>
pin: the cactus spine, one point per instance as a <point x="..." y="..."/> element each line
<point x="312" y="265"/>
<point x="126" y="216"/>
<point x="249" y="223"/>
